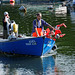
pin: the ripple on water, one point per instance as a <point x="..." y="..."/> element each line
<point x="65" y="64"/>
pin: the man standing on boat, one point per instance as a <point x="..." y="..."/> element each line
<point x="6" y="21"/>
<point x="38" y="26"/>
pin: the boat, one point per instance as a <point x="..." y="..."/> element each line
<point x="36" y="46"/>
<point x="23" y="9"/>
<point x="50" y="7"/>
<point x="71" y="4"/>
<point x="61" y="10"/>
<point x="28" y="45"/>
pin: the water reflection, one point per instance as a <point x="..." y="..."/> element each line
<point x="72" y="16"/>
<point x="27" y="65"/>
<point x="48" y="65"/>
<point x="60" y="15"/>
<point x="22" y="13"/>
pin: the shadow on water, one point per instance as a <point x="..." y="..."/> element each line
<point x="27" y="65"/>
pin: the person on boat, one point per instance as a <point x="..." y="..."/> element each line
<point x="6" y="21"/>
<point x="38" y="26"/>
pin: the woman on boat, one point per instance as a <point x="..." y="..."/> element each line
<point x="6" y="21"/>
<point x="38" y="26"/>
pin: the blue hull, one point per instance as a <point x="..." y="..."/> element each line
<point x="30" y="46"/>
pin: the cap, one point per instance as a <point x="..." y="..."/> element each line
<point x="5" y="13"/>
<point x="39" y="14"/>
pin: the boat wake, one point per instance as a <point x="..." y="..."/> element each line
<point x="50" y="54"/>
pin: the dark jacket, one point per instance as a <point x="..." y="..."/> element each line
<point x="4" y="24"/>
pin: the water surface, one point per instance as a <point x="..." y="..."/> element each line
<point x="61" y="64"/>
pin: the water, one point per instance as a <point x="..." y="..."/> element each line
<point x="61" y="64"/>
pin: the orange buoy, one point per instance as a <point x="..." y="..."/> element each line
<point x="12" y="2"/>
